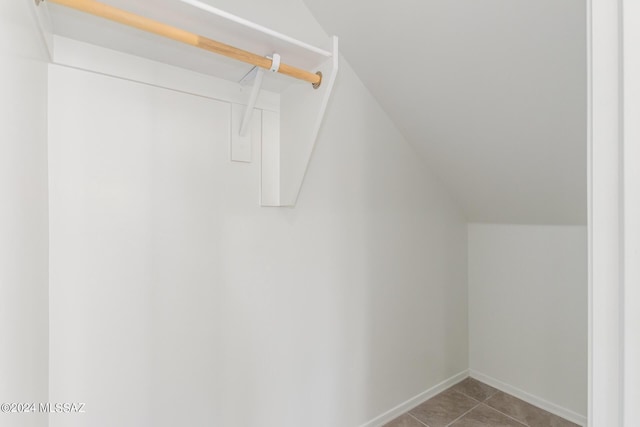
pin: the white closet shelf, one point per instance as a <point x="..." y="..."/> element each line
<point x="197" y="36"/>
<point x="196" y="17"/>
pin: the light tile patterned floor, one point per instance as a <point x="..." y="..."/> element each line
<point x="471" y="403"/>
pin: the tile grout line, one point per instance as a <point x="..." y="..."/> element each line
<point x="411" y="415"/>
<point x="484" y="402"/>
<point x="471" y="397"/>
<point x="461" y="416"/>
<point x="507" y="415"/>
<point x="499" y="411"/>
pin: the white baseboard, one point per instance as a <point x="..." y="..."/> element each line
<point x="530" y="398"/>
<point x="395" y="412"/>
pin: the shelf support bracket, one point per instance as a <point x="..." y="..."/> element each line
<point x="257" y="74"/>
<point x="289" y="135"/>
<point x="253" y="98"/>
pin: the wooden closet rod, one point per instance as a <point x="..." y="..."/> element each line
<point x="145" y="24"/>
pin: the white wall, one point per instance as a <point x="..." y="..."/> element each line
<point x="528" y="310"/>
<point x="177" y="300"/>
<point x="631" y="213"/>
<point x="23" y="213"/>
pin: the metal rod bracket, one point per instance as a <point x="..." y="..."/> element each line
<point x="275" y="63"/>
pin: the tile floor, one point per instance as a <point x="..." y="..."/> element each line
<point x="471" y="403"/>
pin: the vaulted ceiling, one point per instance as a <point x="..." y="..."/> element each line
<point x="492" y="93"/>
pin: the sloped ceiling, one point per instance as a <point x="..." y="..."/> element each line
<point x="492" y="93"/>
